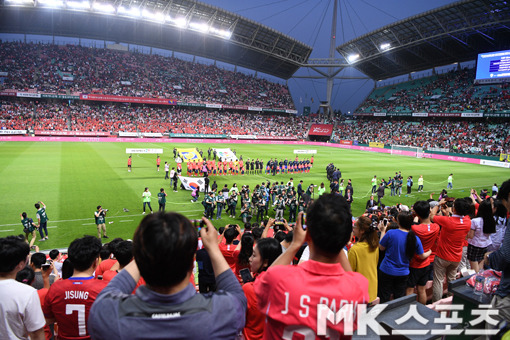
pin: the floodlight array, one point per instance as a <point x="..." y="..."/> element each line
<point x="134" y="12"/>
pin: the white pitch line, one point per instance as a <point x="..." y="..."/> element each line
<point x="88" y="219"/>
<point x="6" y="230"/>
<point x="126" y="221"/>
<point x="88" y="223"/>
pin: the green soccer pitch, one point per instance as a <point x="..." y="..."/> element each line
<point x="73" y="178"/>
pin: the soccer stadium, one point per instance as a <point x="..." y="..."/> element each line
<point x="243" y="167"/>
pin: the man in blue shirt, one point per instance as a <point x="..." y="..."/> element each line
<point x="168" y="306"/>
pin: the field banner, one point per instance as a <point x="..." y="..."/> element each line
<point x="305" y="151"/>
<point x="504" y="156"/>
<point x="195" y="135"/>
<point x="156" y="151"/>
<point x="494" y="163"/>
<point x="10" y="93"/>
<point x="28" y="94"/>
<point x="128" y="134"/>
<point x="243" y="136"/>
<point x="71" y="133"/>
<point x="376" y="145"/>
<point x="346" y="142"/>
<point x="420" y="114"/>
<point x="13" y="132"/>
<point x="191" y="183"/>
<point x="189" y="154"/>
<point x="125" y="99"/>
<point x="321" y="130"/>
<point x="152" y="134"/>
<point x="226" y="154"/>
<point x="471" y="114"/>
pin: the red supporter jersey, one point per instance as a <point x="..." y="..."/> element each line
<point x="129" y="161"/>
<point x="229" y="254"/>
<point x="69" y="302"/>
<point x="452" y="237"/>
<point x="289" y="295"/>
<point x="104" y="266"/>
<point x="158" y="161"/>
<point x="255" y="320"/>
<point x="428" y="234"/>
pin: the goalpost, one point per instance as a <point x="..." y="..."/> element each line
<point x="403" y="150"/>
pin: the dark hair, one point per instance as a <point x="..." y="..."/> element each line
<point x="269" y="249"/>
<point x="54" y="253"/>
<point x="257" y="233"/>
<point x="67" y="269"/>
<point x="13" y="250"/>
<point x="500" y="209"/>
<point x="289" y="237"/>
<point x="230" y="234"/>
<point x="405" y="221"/>
<point x="422" y="209"/>
<point x="247" y="226"/>
<point x="221" y="230"/>
<point x="462" y="207"/>
<point x="84" y="251"/>
<point x="369" y="235"/>
<point x="37" y="206"/>
<point x="26" y="275"/>
<point x="38" y="259"/>
<point x="24" y="214"/>
<point x="504" y="190"/>
<point x="247" y="242"/>
<point x="124" y="252"/>
<point x="329" y="221"/>
<point x="164" y="246"/>
<point x="98" y="207"/>
<point x="113" y="244"/>
<point x="485" y="212"/>
<point x="472" y="209"/>
<point x="280" y="236"/>
<point x="105" y="252"/>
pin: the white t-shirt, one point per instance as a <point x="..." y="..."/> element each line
<point x="20" y="310"/>
<point x="480" y="239"/>
<point x="167" y="167"/>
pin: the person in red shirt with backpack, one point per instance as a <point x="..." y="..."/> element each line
<point x="419" y="270"/>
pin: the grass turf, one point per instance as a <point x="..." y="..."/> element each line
<point x="73" y="178"/>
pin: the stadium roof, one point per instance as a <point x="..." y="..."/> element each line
<point x="179" y="25"/>
<point x="449" y="34"/>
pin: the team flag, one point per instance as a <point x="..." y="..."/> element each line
<point x="189" y="154"/>
<point x="226" y="155"/>
<point x="191" y="183"/>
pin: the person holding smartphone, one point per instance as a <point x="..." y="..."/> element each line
<point x="266" y="251"/>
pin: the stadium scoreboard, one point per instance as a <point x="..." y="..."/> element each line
<point x="493" y="67"/>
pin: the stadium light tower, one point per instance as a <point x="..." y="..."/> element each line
<point x="332" y="65"/>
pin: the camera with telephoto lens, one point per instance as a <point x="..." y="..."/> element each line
<point x="105" y="210"/>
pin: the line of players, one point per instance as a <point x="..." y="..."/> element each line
<point x="251" y="167"/>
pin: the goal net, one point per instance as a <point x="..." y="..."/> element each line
<point x="411" y="151"/>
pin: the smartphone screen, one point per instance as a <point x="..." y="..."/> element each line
<point x="246" y="275"/>
<point x="303" y="221"/>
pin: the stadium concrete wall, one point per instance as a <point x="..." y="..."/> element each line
<point x="230" y="141"/>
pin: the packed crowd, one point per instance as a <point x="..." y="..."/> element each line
<point x="16" y="115"/>
<point x="450" y="92"/>
<point x="75" y="69"/>
<point x="470" y="137"/>
<point x="119" y="291"/>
